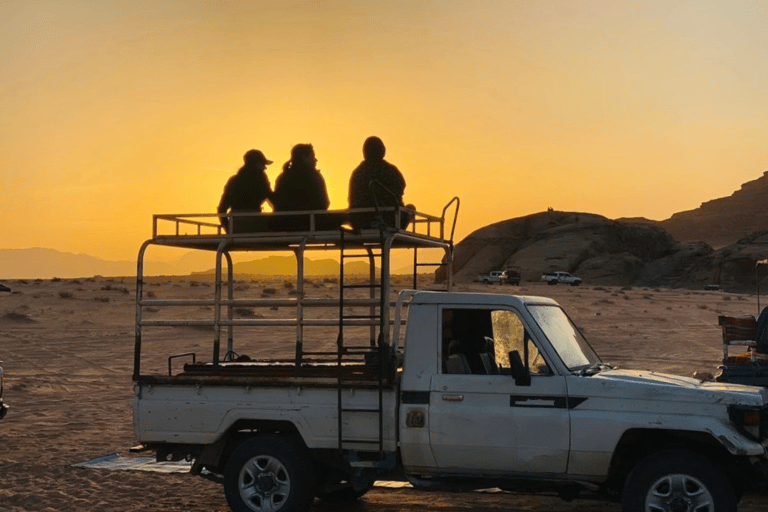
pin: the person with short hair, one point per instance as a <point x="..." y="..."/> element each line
<point x="377" y="183"/>
<point x="246" y="191"/>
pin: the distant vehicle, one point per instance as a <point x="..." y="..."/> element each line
<point x="492" y="277"/>
<point x="561" y="277"/>
<point x="511" y="276"/>
<point x="3" y="407"/>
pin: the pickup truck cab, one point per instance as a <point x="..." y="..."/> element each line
<point x="561" y="277"/>
<point x="447" y="390"/>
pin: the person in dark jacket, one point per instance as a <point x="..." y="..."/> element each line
<point x="246" y="191"/>
<point x="301" y="187"/>
<point x="377" y="183"/>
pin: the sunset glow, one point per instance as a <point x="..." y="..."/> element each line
<point x="114" y="111"/>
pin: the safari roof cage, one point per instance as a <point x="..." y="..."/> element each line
<point x="204" y="232"/>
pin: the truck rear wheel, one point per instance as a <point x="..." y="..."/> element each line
<point x="268" y="473"/>
<point x="677" y="481"/>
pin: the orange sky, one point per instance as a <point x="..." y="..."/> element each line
<point x="113" y="111"/>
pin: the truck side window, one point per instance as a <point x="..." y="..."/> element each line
<point x="467" y="345"/>
<point x="509" y="334"/>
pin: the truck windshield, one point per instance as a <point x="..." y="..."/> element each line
<point x="571" y="346"/>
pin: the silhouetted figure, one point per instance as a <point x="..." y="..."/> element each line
<point x="376" y="183"/>
<point x="246" y="191"/>
<point x="301" y="187"/>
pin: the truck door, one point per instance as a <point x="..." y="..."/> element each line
<point x="480" y="421"/>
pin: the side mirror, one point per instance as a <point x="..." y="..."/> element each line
<point x="518" y="369"/>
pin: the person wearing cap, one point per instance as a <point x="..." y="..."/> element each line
<point x="246" y="191"/>
<point x="377" y="183"/>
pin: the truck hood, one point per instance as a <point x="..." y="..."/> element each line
<point x="660" y="386"/>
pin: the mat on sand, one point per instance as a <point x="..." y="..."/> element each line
<point x="115" y="462"/>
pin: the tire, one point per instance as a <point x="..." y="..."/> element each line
<point x="677" y="480"/>
<point x="551" y="283"/>
<point x="575" y="283"/>
<point x="269" y="473"/>
<point x="485" y="281"/>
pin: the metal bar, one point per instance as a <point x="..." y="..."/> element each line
<point x="261" y="322"/>
<point x="139" y="292"/>
<point x="231" y="297"/>
<point x="217" y="309"/>
<point x="306" y="303"/>
<point x="299" y="253"/>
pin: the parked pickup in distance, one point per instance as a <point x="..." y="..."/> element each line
<point x="492" y="277"/>
<point x="3" y="407"/>
<point x="486" y="390"/>
<point x="511" y="276"/>
<point x="561" y="277"/>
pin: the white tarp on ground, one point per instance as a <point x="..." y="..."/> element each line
<point x="115" y="462"/>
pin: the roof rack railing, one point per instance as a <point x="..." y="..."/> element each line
<point x="209" y="225"/>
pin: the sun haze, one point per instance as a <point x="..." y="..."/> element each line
<point x="114" y="111"/>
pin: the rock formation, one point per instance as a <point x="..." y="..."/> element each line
<point x="607" y="252"/>
<point x="722" y="222"/>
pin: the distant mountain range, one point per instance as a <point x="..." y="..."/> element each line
<point x="719" y="223"/>
<point x="38" y="263"/>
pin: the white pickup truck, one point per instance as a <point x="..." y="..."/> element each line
<point x="561" y="277"/>
<point x="454" y="391"/>
<point x="492" y="277"/>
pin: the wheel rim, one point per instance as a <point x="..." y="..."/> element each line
<point x="264" y="484"/>
<point x="678" y="493"/>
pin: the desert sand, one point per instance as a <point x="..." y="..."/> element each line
<point x="67" y="349"/>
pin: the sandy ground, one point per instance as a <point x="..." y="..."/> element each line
<point x="67" y="351"/>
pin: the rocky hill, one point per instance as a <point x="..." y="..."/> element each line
<point x="726" y="220"/>
<point x="607" y="252"/>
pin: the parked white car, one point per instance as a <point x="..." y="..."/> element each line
<point x="561" y="277"/>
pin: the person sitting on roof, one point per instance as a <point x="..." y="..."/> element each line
<point x="246" y="191"/>
<point x="377" y="183"/>
<point x="301" y="187"/>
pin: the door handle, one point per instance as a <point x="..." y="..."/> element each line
<point x="453" y="397"/>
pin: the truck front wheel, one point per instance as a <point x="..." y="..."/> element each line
<point x="268" y="473"/>
<point x="677" y="481"/>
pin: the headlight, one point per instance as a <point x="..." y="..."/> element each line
<point x="752" y="420"/>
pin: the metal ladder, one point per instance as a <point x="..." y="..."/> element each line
<point x="375" y="354"/>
